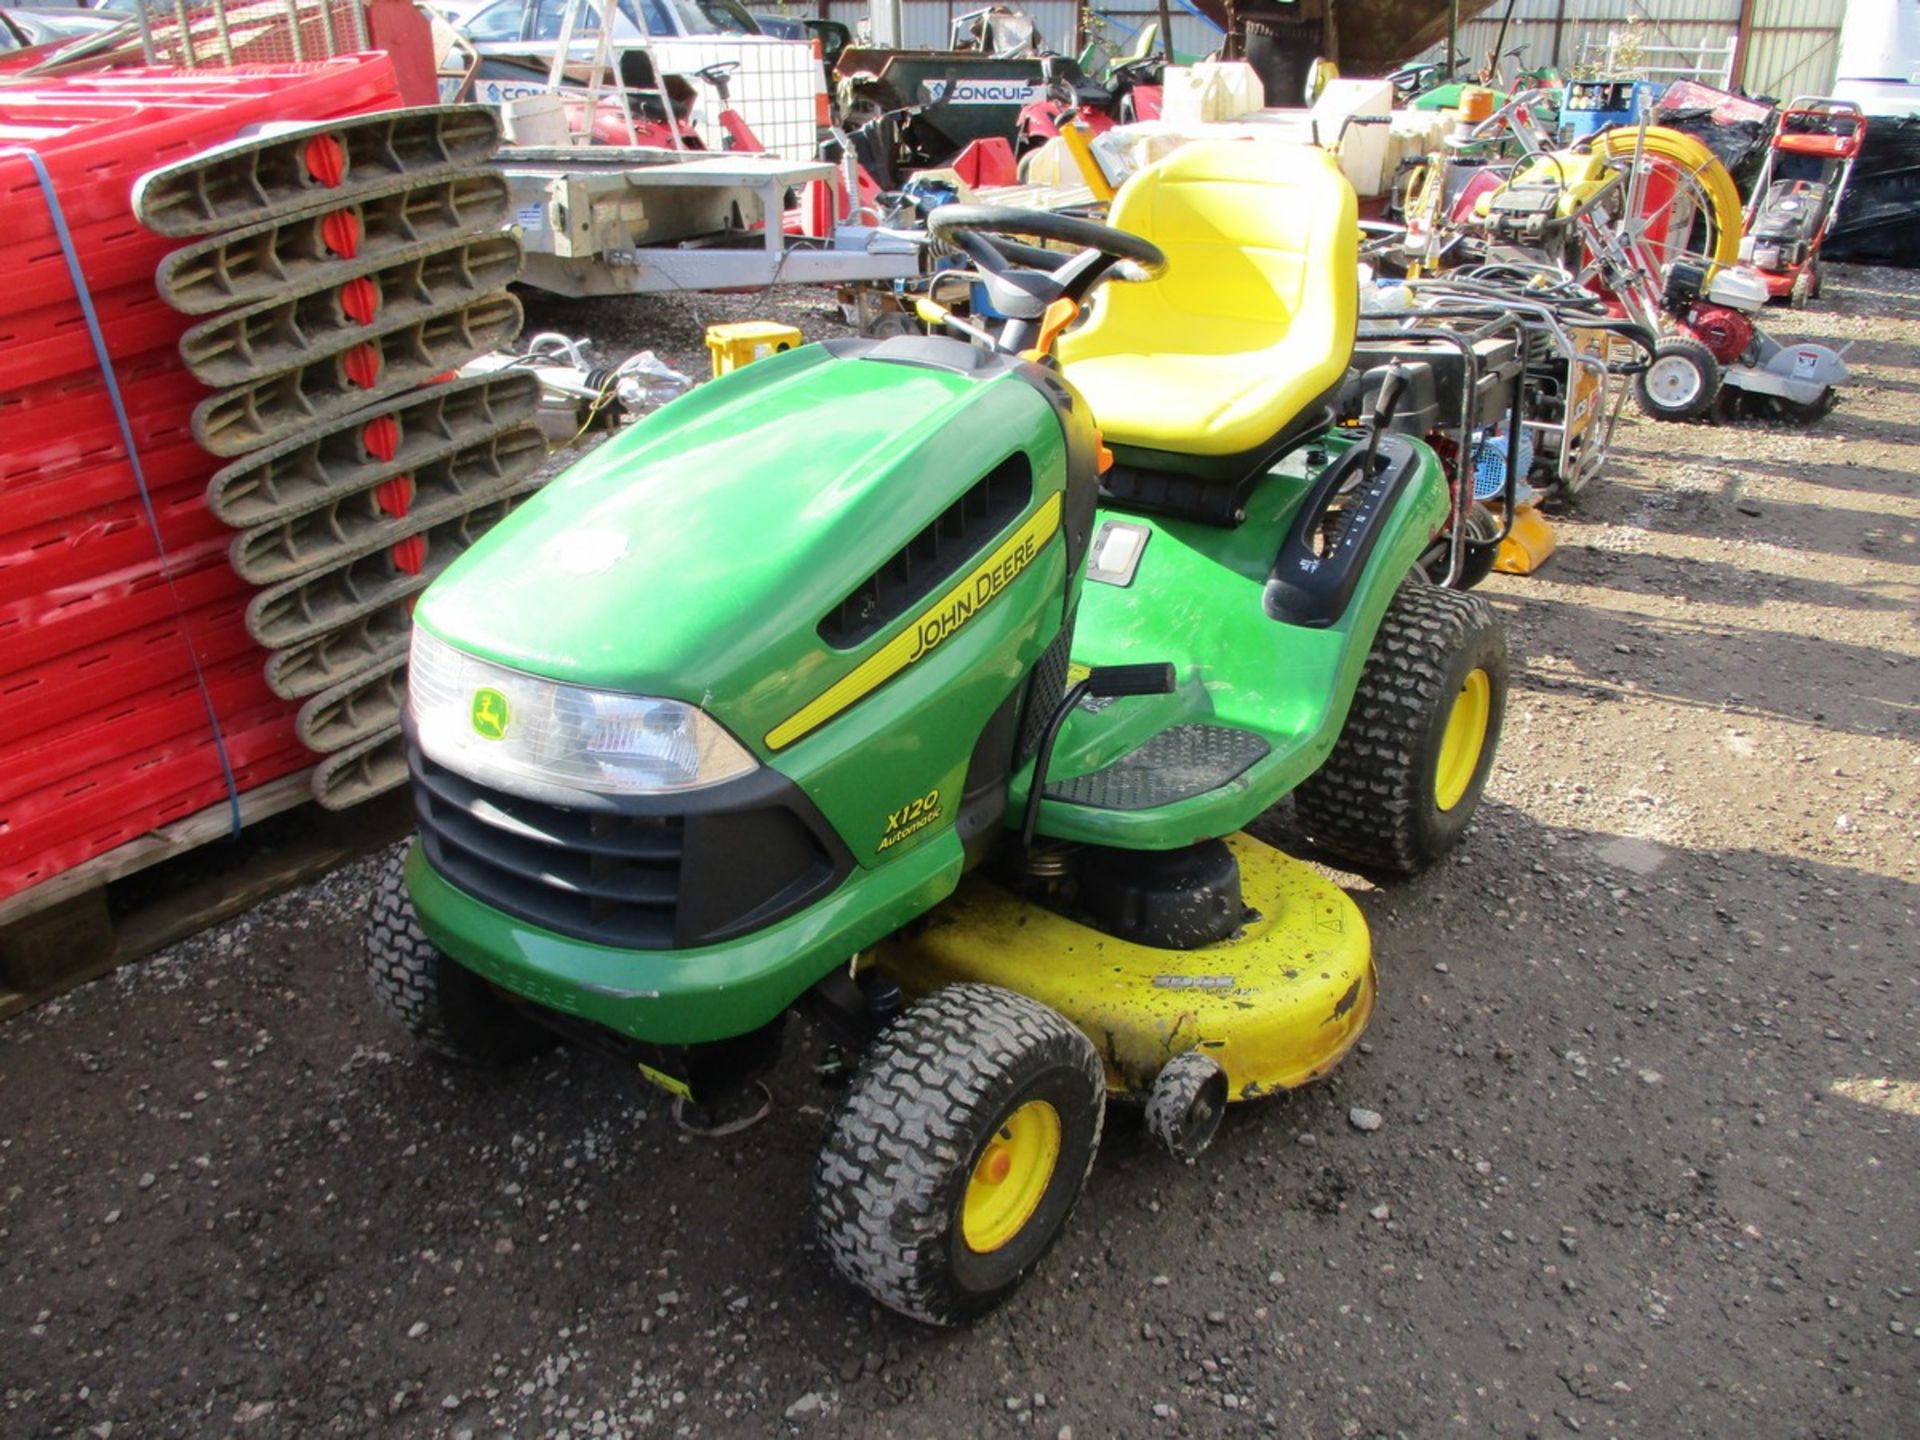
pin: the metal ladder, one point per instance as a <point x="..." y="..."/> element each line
<point x="604" y="63"/>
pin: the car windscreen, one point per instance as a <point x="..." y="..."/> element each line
<point x="549" y="18"/>
<point x="54" y="25"/>
<point x="711" y="17"/>
<point x="781" y="27"/>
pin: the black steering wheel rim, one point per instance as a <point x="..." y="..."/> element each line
<point x="962" y="224"/>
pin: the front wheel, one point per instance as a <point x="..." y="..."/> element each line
<point x="1187" y="1103"/>
<point x="956" y="1155"/>
<point x="1407" y="772"/>
<point x="1679" y="382"/>
<point x="1801" y="294"/>
<point x="443" y="1005"/>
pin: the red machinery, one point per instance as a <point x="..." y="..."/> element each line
<point x="1132" y="92"/>
<point x="1797" y="196"/>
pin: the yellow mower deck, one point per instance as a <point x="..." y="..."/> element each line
<point x="1276" y="1007"/>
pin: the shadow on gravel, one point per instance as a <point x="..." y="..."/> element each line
<point x="1707" y="502"/>
<point x="1717" y="581"/>
<point x="1856" y="689"/>
<point x="1863" y="428"/>
<point x="1844" y="476"/>
<point x="1879" y="355"/>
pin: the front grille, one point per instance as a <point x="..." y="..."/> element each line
<point x="606" y="877"/>
<point x="732" y="859"/>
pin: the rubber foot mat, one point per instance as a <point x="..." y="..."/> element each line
<point x="1177" y="764"/>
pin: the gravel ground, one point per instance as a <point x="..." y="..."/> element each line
<point x="1647" y="1066"/>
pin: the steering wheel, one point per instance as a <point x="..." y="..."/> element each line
<point x="1023" y="280"/>
<point x="1025" y="283"/>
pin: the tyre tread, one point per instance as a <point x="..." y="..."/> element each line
<point x="903" y="1125"/>
<point x="1361" y="803"/>
<point x="411" y="981"/>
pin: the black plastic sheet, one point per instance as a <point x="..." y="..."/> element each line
<point x="1741" y="145"/>
<point x="1876" y="221"/>
<point x="1734" y="127"/>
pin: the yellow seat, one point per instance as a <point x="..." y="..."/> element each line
<point x="1253" y="323"/>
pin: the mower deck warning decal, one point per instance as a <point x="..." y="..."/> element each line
<point x="931" y="628"/>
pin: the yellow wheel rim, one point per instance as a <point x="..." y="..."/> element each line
<point x="1466" y="736"/>
<point x="1010" y="1177"/>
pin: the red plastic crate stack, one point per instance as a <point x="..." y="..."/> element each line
<point x="104" y="727"/>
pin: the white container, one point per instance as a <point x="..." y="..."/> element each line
<point x="1209" y="92"/>
<point x="535" y="120"/>
<point x="1366" y="149"/>
<point x="1241" y="92"/>
<point x="1738" y="289"/>
<point x="1343" y="98"/>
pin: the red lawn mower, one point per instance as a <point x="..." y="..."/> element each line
<point x="1797" y="196"/>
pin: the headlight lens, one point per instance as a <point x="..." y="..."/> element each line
<point x="496" y="725"/>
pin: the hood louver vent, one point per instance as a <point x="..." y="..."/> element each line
<point x="938" y="553"/>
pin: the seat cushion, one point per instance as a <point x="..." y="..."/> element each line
<point x="1253" y="321"/>
<point x="1198" y="403"/>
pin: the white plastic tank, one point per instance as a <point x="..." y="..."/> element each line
<point x="1739" y="288"/>
<point x="1209" y="92"/>
<point x="1879" y="65"/>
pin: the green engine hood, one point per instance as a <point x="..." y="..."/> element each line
<point x="693" y="556"/>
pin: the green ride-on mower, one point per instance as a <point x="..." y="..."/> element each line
<point x="926" y="684"/>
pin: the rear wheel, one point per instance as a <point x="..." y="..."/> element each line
<point x="1679" y="382"/>
<point x="441" y="1004"/>
<point x="1406" y="775"/>
<point x="956" y="1155"/>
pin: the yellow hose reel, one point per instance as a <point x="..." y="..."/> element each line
<point x="1698" y="164"/>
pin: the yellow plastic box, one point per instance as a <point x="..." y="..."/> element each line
<point x="746" y="341"/>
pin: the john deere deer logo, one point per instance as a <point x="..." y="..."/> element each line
<point x="489" y="714"/>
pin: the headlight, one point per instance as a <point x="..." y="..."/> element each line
<point x="495" y="725"/>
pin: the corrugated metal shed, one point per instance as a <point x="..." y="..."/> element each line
<point x="1791" y="44"/>
<point x="1565" y="32"/>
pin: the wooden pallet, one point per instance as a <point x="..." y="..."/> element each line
<point x="143" y="896"/>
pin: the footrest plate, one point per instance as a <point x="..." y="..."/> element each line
<point x="1179" y="763"/>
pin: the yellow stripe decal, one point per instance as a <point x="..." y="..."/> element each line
<point x="933" y="626"/>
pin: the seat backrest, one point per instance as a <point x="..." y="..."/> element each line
<point x="1259" y="236"/>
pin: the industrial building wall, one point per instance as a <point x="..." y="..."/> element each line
<point x="1792" y="45"/>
